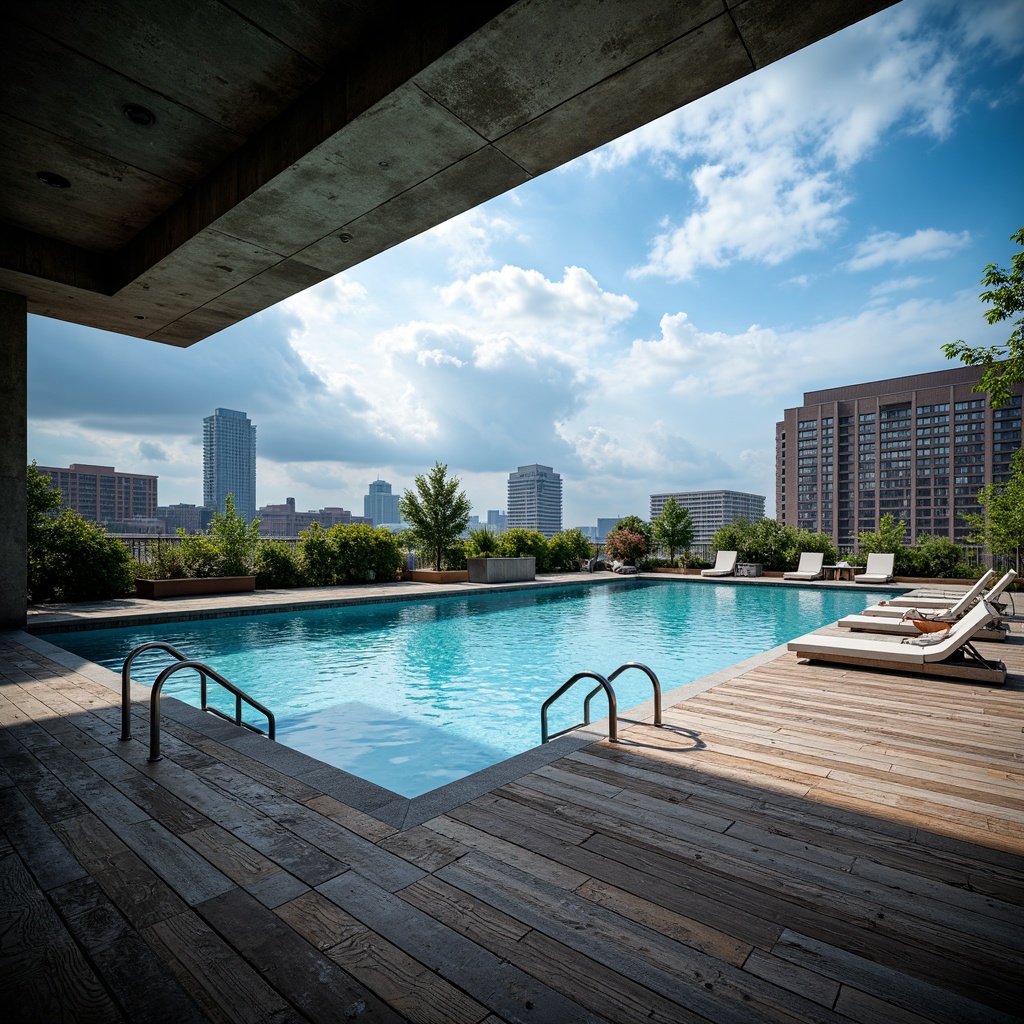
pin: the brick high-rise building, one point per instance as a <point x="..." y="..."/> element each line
<point x="919" y="447"/>
<point x="102" y="494"/>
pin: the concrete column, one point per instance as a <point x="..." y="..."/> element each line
<point x="13" y="459"/>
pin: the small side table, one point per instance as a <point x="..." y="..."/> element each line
<point x="748" y="568"/>
<point x="839" y="572"/>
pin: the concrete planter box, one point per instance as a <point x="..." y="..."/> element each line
<point x="155" y="589"/>
<point x="435" y="576"/>
<point x="502" y="570"/>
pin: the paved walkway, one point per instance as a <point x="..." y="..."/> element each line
<point x="799" y="843"/>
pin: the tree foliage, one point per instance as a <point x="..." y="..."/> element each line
<point x="482" y="543"/>
<point x="344" y="554"/>
<point x="630" y="540"/>
<point x="70" y="558"/>
<point x="1004" y="364"/>
<point x="520" y="543"/>
<point x="567" y="549"/>
<point x="437" y="511"/>
<point x="235" y="540"/>
<point x="1001" y="525"/>
<point x="776" y="547"/>
<point x="673" y="529"/>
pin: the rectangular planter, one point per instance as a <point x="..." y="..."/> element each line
<point x="433" y="576"/>
<point x="502" y="570"/>
<point x="155" y="589"/>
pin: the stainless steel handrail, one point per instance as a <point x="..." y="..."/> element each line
<point x="154" y="700"/>
<point x="126" y="681"/>
<point x="654" y="682"/>
<point x="603" y="684"/>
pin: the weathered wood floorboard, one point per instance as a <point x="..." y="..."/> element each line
<point x="800" y="843"/>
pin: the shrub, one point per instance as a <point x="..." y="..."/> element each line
<point x="364" y="554"/>
<point x="520" y="543"/>
<point x="626" y="546"/>
<point x="199" y="555"/>
<point x="75" y="560"/>
<point x="567" y="549"/>
<point x="164" y="562"/>
<point x="276" y="567"/>
<point x="482" y="543"/>
<point x="315" y="557"/>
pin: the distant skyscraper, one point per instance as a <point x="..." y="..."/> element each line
<point x="497" y="521"/>
<point x="229" y="462"/>
<point x="380" y="504"/>
<point x="535" y="499"/>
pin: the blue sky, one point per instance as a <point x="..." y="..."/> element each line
<point x="638" y="319"/>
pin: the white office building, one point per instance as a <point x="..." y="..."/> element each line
<point x="711" y="510"/>
<point x="380" y="504"/>
<point x="535" y="500"/>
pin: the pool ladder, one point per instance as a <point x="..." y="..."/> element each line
<point x="183" y="661"/>
<point x="603" y="683"/>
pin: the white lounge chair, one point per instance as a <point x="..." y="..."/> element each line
<point x="926" y="602"/>
<point x="878" y="570"/>
<point x="810" y="567"/>
<point x="948" y="654"/>
<point x="914" y="622"/>
<point x="945" y="607"/>
<point x="725" y="565"/>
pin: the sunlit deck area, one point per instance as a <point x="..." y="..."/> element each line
<point x="798" y="843"/>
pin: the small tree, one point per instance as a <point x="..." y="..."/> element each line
<point x="235" y="539"/>
<point x="633" y="548"/>
<point x="1004" y="364"/>
<point x="437" y="511"/>
<point x="1001" y="526"/>
<point x="674" y="529"/>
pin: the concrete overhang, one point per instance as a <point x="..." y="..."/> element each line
<point x="290" y="142"/>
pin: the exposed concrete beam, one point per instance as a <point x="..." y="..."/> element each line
<point x="13" y="459"/>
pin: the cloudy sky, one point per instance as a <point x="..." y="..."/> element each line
<point x="638" y="319"/>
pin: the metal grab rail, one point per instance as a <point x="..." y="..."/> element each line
<point x="154" y="700"/>
<point x="650" y="675"/>
<point x="126" y="681"/>
<point x="603" y="684"/>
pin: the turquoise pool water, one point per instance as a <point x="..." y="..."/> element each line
<point x="416" y="694"/>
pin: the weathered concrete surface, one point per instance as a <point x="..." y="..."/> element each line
<point x="13" y="458"/>
<point x="291" y="142"/>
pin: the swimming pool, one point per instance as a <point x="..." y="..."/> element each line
<point x="413" y="695"/>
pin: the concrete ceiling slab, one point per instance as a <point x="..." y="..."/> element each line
<point x="281" y="129"/>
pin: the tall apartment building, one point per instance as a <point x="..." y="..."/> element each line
<point x="919" y="447"/>
<point x="229" y="462"/>
<point x="380" y="504"/>
<point x="102" y="494"/>
<point x="535" y="499"/>
<point x="711" y="510"/>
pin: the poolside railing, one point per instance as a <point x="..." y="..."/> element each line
<point x="205" y="673"/>
<point x="605" y="684"/>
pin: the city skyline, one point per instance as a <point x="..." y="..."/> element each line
<point x="637" y="318"/>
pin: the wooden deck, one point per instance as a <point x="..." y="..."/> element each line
<point x="800" y="843"/>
